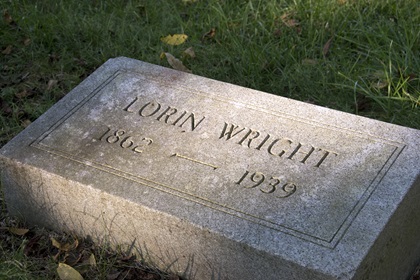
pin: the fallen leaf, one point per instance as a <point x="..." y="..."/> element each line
<point x="55" y="243"/>
<point x="26" y="123"/>
<point x="7" y="50"/>
<point x="209" y="35"/>
<point x="289" y="21"/>
<point x="27" y="41"/>
<point x="66" y="272"/>
<point x="189" y="1"/>
<point x="7" y="17"/>
<point x="174" y="40"/>
<point x="308" y="61"/>
<point x="23" y="94"/>
<point x="176" y="63"/>
<point x="92" y="260"/>
<point x="51" y="84"/>
<point x="60" y="246"/>
<point x="18" y="231"/>
<point x="189" y="52"/>
<point x="380" y="84"/>
<point x="327" y="47"/>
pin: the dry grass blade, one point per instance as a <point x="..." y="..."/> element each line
<point x="327" y="46"/>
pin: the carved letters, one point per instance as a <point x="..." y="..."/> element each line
<point x="166" y="114"/>
<point x="279" y="147"/>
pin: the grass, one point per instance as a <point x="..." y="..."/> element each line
<point x="361" y="57"/>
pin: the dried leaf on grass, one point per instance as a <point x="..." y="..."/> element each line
<point x="379" y="80"/>
<point x="66" y="272"/>
<point x="308" y="61"/>
<point x="189" y="1"/>
<point x="189" y="52"/>
<point x="64" y="247"/>
<point x="291" y="22"/>
<point x="327" y="46"/>
<point x="7" y="17"/>
<point x="51" y="84"/>
<point x="175" y="63"/>
<point x="18" y="231"/>
<point x="92" y="260"/>
<point x="23" y="94"/>
<point x="25" y="123"/>
<point x="7" y="50"/>
<point x="209" y="35"/>
<point x="380" y="84"/>
<point x="27" y="41"/>
<point x="174" y="40"/>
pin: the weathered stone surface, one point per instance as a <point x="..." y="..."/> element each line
<point x="218" y="181"/>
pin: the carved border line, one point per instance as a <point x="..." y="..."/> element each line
<point x="212" y="204"/>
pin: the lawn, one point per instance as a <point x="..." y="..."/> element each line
<point x="361" y="57"/>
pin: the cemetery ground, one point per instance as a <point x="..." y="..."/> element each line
<point x="361" y="57"/>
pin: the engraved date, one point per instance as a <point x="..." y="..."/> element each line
<point x="272" y="185"/>
<point x="125" y="141"/>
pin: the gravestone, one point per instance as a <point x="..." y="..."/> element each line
<point x="216" y="181"/>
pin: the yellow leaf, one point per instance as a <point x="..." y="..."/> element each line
<point x="92" y="260"/>
<point x="174" y="40"/>
<point x="176" y="63"/>
<point x="18" y="231"/>
<point x="55" y="243"/>
<point x="64" y="247"/>
<point x="66" y="272"/>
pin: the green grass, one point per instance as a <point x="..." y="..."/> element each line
<point x="371" y="66"/>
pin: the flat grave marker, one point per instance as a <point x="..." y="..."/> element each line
<point x="216" y="181"/>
